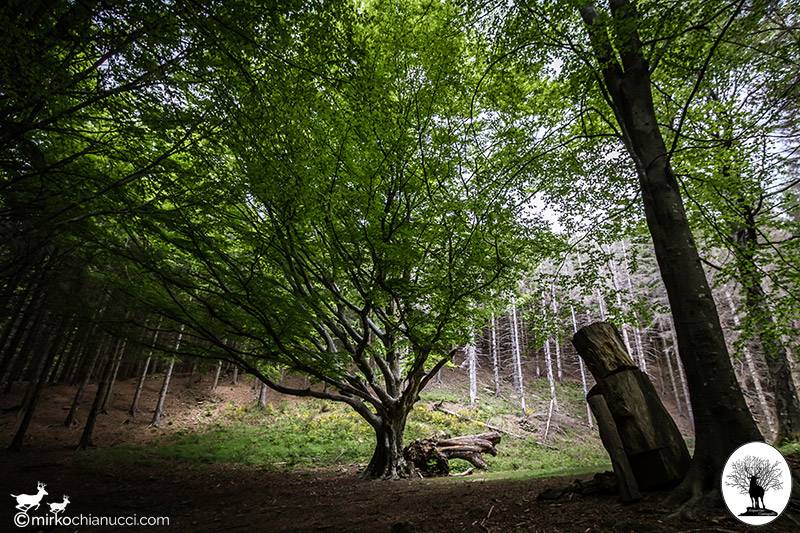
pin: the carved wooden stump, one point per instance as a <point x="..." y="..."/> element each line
<point x="652" y="442"/>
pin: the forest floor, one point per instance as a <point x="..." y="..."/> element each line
<point x="220" y="497"/>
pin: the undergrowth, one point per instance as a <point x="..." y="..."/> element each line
<point x="320" y="433"/>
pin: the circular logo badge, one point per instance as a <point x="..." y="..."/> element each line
<point x="756" y="483"/>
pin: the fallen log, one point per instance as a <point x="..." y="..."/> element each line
<point x="438" y="407"/>
<point x="431" y="456"/>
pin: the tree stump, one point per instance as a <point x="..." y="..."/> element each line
<point x="431" y="456"/>
<point x="426" y="458"/>
<point x="626" y="481"/>
<point x="653" y="444"/>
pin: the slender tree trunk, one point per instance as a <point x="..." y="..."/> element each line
<point x="19" y="438"/>
<point x="31" y="338"/>
<point x="549" y="363"/>
<point x="235" y="379"/>
<point x="583" y="371"/>
<point x="16" y="317"/>
<point x="682" y="376"/>
<point x="35" y="304"/>
<point x="760" y="318"/>
<point x="517" y="357"/>
<point x="76" y="354"/>
<point x="143" y="376"/>
<point x="473" y="374"/>
<point x="139" y="388"/>
<point x="262" y="396"/>
<point x="752" y="370"/>
<point x="82" y="387"/>
<point x="216" y="375"/>
<point x="636" y="331"/>
<point x="671" y="371"/>
<point x="163" y="394"/>
<point x="120" y="352"/>
<point x="54" y="347"/>
<point x="723" y="421"/>
<point x="191" y="375"/>
<point x="102" y="387"/>
<point x="66" y="340"/>
<point x="495" y="365"/>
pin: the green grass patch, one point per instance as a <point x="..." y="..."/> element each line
<point x="320" y="433"/>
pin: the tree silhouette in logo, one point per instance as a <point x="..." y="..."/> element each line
<point x="754" y="476"/>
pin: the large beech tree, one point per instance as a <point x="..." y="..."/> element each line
<point x="352" y="223"/>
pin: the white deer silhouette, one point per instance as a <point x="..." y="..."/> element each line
<point x="26" y="501"/>
<point x="56" y="508"/>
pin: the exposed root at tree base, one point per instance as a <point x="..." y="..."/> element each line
<point x="695" y="492"/>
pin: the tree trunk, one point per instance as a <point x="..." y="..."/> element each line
<point x="139" y="387"/>
<point x="671" y="371"/>
<point x="119" y="353"/>
<point x="191" y="375"/>
<point x="612" y="442"/>
<point x="682" y="375"/>
<point x="31" y="309"/>
<point x="517" y="357"/>
<point x="163" y="395"/>
<point x="387" y="460"/>
<point x="102" y="387"/>
<point x="31" y="337"/>
<point x="82" y="387"/>
<point x="550" y="379"/>
<point x="473" y="374"/>
<point x="262" y="396"/>
<point x="752" y="370"/>
<point x="16" y="444"/>
<point x="583" y="370"/>
<point x="636" y="331"/>
<point x="495" y="365"/>
<point x="760" y="319"/>
<point x="216" y="375"/>
<point x="723" y="421"/>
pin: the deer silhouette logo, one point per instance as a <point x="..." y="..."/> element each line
<point x="756" y="492"/>
<point x="755" y="475"/>
<point x="56" y="508"/>
<point x="27" y="501"/>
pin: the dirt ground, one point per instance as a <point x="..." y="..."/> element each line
<point x="221" y="498"/>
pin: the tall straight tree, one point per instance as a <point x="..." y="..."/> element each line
<point x="623" y="76"/>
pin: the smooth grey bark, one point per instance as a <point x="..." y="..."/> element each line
<point x="517" y="357"/>
<point x="165" y="386"/>
<point x="163" y="394"/>
<point x="216" y="376"/>
<point x="583" y="370"/>
<point x="139" y="388"/>
<point x="495" y="365"/>
<point x="473" y="373"/>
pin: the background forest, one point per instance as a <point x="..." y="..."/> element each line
<point x="366" y="193"/>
